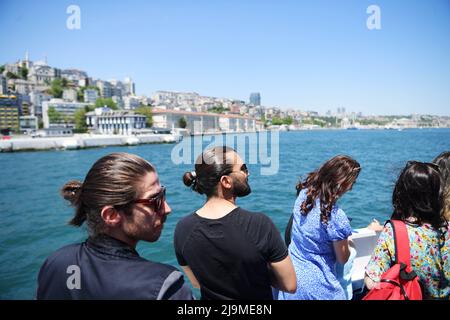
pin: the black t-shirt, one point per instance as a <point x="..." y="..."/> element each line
<point x="229" y="255"/>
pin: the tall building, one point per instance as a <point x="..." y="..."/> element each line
<point x="90" y="96"/>
<point x="105" y="89"/>
<point x="3" y="85"/>
<point x="63" y="113"/>
<point x="129" y="86"/>
<point x="255" y="99"/>
<point x="36" y="99"/>
<point x="9" y="113"/>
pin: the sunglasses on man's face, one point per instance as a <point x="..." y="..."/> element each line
<point x="156" y="203"/>
<point x="243" y="169"/>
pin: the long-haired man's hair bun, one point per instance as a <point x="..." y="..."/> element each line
<point x="189" y="178"/>
<point x="71" y="191"/>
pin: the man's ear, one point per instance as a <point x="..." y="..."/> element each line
<point x="226" y="182"/>
<point x="110" y="216"/>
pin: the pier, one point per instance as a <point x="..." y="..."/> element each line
<point x="83" y="141"/>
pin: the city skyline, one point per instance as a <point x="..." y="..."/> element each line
<point x="302" y="56"/>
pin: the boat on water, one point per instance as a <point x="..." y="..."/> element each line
<point x="364" y="240"/>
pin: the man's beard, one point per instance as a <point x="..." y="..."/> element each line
<point x="241" y="188"/>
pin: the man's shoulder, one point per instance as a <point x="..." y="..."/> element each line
<point x="186" y="221"/>
<point x="253" y="215"/>
<point x="64" y="253"/>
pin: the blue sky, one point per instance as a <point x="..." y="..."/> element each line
<point x="311" y="55"/>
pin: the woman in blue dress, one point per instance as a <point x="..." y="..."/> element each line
<point x="320" y="231"/>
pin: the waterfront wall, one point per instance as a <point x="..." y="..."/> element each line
<point x="81" y="142"/>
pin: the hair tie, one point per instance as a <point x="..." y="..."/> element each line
<point x="76" y="189"/>
<point x="194" y="175"/>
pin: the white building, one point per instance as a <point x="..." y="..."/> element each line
<point x="64" y="108"/>
<point x="12" y="67"/>
<point x="74" y="75"/>
<point x="130" y="102"/>
<point x="36" y="99"/>
<point x="43" y="74"/>
<point x="28" y="123"/>
<point x="26" y="86"/>
<point x="130" y="88"/>
<point x="202" y="122"/>
<point x="70" y="95"/>
<point x="90" y="96"/>
<point x="106" y="121"/>
<point x="105" y="88"/>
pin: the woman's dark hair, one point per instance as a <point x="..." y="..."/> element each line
<point x="210" y="166"/>
<point x="418" y="195"/>
<point x="443" y="161"/>
<point x="328" y="183"/>
<point x="112" y="181"/>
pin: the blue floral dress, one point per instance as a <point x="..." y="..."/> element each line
<point x="312" y="253"/>
<point x="429" y="258"/>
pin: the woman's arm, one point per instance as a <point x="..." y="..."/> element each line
<point x="191" y="276"/>
<point x="283" y="275"/>
<point x="341" y="250"/>
<point x="370" y="284"/>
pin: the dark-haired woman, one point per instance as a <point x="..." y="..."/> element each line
<point x="226" y="251"/>
<point x="320" y="231"/>
<point x="443" y="161"/>
<point x="122" y="202"/>
<point x="417" y="200"/>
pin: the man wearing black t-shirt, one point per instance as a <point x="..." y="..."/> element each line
<point x="226" y="251"/>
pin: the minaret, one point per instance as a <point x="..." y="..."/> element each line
<point x="27" y="60"/>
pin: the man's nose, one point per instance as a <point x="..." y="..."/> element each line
<point x="167" y="208"/>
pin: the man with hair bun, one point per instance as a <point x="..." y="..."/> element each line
<point x="226" y="251"/>
<point x="122" y="202"/>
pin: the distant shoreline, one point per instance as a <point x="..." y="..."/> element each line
<point x="86" y="141"/>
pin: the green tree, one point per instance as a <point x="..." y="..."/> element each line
<point x="54" y="116"/>
<point x="146" y="111"/>
<point x="56" y="88"/>
<point x="182" y="123"/>
<point x="2" y="68"/>
<point x="288" y="120"/>
<point x="101" y="102"/>
<point x="24" y="73"/>
<point x="80" y="119"/>
<point x="11" y="75"/>
<point x="276" y="121"/>
<point x="218" y="109"/>
<point x="80" y="95"/>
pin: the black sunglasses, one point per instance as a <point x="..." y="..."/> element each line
<point x="243" y="169"/>
<point x="156" y="202"/>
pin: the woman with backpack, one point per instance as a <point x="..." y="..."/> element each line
<point x="417" y="201"/>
